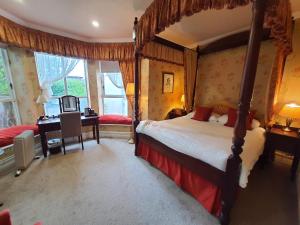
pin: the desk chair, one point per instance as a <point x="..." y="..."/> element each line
<point x="70" y="123"/>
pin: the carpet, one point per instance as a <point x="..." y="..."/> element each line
<point x="106" y="184"/>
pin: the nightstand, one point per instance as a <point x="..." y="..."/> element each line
<point x="289" y="142"/>
<point x="174" y="113"/>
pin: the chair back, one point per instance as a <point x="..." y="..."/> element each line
<point x="70" y="123"/>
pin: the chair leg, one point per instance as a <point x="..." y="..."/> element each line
<point x="81" y="142"/>
<point x="63" y="144"/>
<point x="78" y="139"/>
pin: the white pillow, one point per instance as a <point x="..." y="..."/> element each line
<point x="223" y="119"/>
<point x="190" y="115"/>
<point x="214" y="118"/>
<point x="255" y="124"/>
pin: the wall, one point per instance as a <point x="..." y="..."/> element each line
<point x="93" y="70"/>
<point x="160" y="104"/>
<point x="144" y="89"/>
<point x="26" y="86"/>
<point x="220" y="76"/>
<point x="290" y="91"/>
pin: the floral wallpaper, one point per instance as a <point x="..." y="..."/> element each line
<point x="220" y="76"/>
<point x="26" y="86"/>
<point x="289" y="91"/>
<point x="160" y="104"/>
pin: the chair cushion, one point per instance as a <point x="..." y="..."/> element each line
<point x="7" y="134"/>
<point x="115" y="119"/>
<point x="5" y="217"/>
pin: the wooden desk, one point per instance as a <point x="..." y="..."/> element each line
<point x="54" y="124"/>
<point x="289" y="142"/>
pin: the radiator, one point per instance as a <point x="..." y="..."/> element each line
<point x="24" y="149"/>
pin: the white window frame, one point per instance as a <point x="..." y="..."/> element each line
<point x="12" y="97"/>
<point x="66" y="88"/>
<point x="111" y="96"/>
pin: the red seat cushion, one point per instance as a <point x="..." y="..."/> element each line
<point x="5" y="217"/>
<point x="232" y="117"/>
<point x="115" y="119"/>
<point x="7" y="134"/>
<point x="202" y="113"/>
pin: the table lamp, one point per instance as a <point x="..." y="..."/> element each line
<point x="290" y="112"/>
<point x="183" y="101"/>
<point x="42" y="100"/>
<point x="130" y="94"/>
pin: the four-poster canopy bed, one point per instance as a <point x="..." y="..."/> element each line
<point x="274" y="14"/>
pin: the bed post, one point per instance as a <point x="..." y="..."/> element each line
<point x="231" y="181"/>
<point x="136" y="86"/>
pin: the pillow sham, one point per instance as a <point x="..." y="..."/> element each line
<point x="214" y="118"/>
<point x="255" y="124"/>
<point x="202" y="113"/>
<point x="223" y="119"/>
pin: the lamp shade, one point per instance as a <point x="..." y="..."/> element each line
<point x="130" y="89"/>
<point x="41" y="99"/>
<point x="182" y="99"/>
<point x="290" y="111"/>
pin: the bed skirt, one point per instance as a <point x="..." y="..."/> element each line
<point x="208" y="194"/>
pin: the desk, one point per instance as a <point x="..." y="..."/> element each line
<point x="54" y="124"/>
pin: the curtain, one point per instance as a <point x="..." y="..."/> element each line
<point x="114" y="78"/>
<point x="51" y="68"/>
<point x="163" y="53"/>
<point x="127" y="71"/>
<point x="274" y="85"/>
<point x="17" y="35"/>
<point x="190" y="69"/>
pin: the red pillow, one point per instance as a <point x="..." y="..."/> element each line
<point x="232" y="117"/>
<point x="202" y="113"/>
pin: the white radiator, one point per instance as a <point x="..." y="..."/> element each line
<point x="24" y="149"/>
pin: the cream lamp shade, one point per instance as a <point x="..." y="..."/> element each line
<point x="182" y="99"/>
<point x="41" y="99"/>
<point x="130" y="89"/>
<point x="291" y="111"/>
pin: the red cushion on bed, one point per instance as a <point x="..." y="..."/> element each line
<point x="232" y="117"/>
<point x="7" y="134"/>
<point x="202" y="113"/>
<point x="115" y="119"/>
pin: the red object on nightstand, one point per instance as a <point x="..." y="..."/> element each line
<point x="6" y="220"/>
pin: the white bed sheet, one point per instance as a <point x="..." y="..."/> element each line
<point x="209" y="142"/>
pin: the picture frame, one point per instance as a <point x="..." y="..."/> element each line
<point x="167" y="82"/>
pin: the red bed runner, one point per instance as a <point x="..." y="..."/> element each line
<point x="205" y="192"/>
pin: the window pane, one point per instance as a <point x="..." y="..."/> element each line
<point x="83" y="104"/>
<point x="113" y="84"/>
<point x="76" y="86"/>
<point x="52" y="107"/>
<point x="58" y="88"/>
<point x="115" y="106"/>
<point x="4" y="84"/>
<point x="7" y="115"/>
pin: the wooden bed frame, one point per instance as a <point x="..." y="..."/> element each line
<point x="227" y="181"/>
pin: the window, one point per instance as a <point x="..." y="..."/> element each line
<point x="74" y="83"/>
<point x="113" y="94"/>
<point x="9" y="115"/>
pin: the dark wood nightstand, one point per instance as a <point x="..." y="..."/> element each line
<point x="174" y="113"/>
<point x="289" y="142"/>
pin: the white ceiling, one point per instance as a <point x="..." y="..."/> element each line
<point x="73" y="18"/>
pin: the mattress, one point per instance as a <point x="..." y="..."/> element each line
<point x="209" y="142"/>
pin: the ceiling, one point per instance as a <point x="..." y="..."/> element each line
<point x="73" y="18"/>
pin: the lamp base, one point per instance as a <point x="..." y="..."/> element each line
<point x="286" y="129"/>
<point x="131" y="141"/>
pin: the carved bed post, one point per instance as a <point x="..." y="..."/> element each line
<point x="231" y="181"/>
<point x="136" y="86"/>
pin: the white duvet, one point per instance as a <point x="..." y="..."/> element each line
<point x="209" y="142"/>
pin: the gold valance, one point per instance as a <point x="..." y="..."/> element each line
<point x="163" y="13"/>
<point x="156" y="51"/>
<point x="14" y="34"/>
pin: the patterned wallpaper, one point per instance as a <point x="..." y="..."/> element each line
<point x="26" y="84"/>
<point x="160" y="104"/>
<point x="290" y="91"/>
<point x="220" y="75"/>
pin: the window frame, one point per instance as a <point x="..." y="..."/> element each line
<point x="103" y="95"/>
<point x="12" y="95"/>
<point x="66" y="88"/>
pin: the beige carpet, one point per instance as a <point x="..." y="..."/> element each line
<point x="106" y="184"/>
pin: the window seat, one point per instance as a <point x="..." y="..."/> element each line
<point x="115" y="119"/>
<point x="7" y="134"/>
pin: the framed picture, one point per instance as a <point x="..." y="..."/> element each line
<point x="168" y="82"/>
